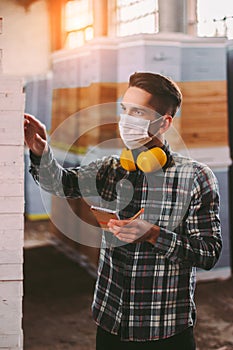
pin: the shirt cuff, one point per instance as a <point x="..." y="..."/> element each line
<point x="46" y="158"/>
<point x="34" y="158"/>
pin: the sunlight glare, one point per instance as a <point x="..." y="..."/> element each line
<point x="210" y="18"/>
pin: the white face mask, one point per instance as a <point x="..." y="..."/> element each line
<point x="134" y="131"/>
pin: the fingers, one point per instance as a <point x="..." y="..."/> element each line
<point x="33" y="126"/>
<point x="117" y="226"/>
<point x="41" y="145"/>
<point x="35" y="135"/>
<point x="28" y="118"/>
<point x="119" y="223"/>
<point x="39" y="140"/>
<point x="124" y="228"/>
<point x="26" y="122"/>
<point x="130" y="231"/>
<point x="128" y="237"/>
<point x="33" y="121"/>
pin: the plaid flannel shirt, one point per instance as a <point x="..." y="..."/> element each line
<point x="143" y="291"/>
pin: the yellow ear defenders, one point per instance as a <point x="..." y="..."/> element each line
<point x="147" y="161"/>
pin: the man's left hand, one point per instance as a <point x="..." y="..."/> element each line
<point x="134" y="231"/>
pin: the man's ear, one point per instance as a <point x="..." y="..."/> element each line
<point x="167" y="122"/>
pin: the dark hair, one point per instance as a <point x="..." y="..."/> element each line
<point x="166" y="94"/>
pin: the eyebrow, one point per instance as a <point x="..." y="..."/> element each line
<point x="134" y="107"/>
<point x="145" y="109"/>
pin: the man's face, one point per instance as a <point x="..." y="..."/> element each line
<point x="138" y="103"/>
<point x="141" y="104"/>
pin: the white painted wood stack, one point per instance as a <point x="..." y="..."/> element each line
<point x="11" y="212"/>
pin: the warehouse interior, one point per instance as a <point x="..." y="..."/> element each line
<point x="74" y="58"/>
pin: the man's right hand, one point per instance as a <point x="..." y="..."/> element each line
<point x="35" y="135"/>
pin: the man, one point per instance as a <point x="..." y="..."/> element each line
<point x="144" y="297"/>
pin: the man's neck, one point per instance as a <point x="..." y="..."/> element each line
<point x="157" y="141"/>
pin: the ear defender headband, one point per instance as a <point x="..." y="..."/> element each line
<point x="147" y="161"/>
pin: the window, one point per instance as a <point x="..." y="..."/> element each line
<point x="78" y="22"/>
<point x="137" y="16"/>
<point x="215" y="18"/>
